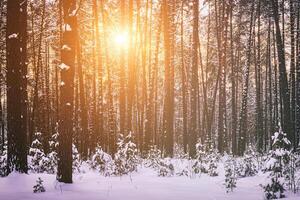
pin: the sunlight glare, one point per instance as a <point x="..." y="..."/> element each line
<point x="121" y="39"/>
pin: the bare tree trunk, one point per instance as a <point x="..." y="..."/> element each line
<point x="64" y="173"/>
<point x="292" y="72"/>
<point x="35" y="117"/>
<point x="194" y="82"/>
<point x="16" y="37"/>
<point x="131" y="70"/>
<point x="111" y="110"/>
<point x="283" y="82"/>
<point x="149" y="139"/>
<point x="244" y="114"/>
<point x="298" y="77"/>
<point x="259" y="111"/>
<point x="122" y="97"/>
<point x="168" y="107"/>
<point x="222" y="29"/>
<point x="83" y="135"/>
<point x="233" y="88"/>
<point x="100" y="76"/>
<point x="183" y="86"/>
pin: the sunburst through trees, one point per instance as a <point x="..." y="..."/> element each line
<point x="217" y="76"/>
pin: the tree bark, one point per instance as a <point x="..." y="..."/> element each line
<point x="16" y="36"/>
<point x="283" y="81"/>
<point x="67" y="91"/>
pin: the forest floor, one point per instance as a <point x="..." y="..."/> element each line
<point x="142" y="185"/>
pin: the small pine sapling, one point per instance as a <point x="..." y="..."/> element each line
<point x="76" y="159"/>
<point x="206" y="160"/>
<point x="179" y="152"/>
<point x="166" y="168"/>
<point x="184" y="168"/>
<point x="101" y="161"/>
<point x="126" y="159"/>
<point x="39" y="187"/>
<point x="201" y="163"/>
<point x="3" y="162"/>
<point x="153" y="157"/>
<point x="291" y="172"/>
<point x="277" y="159"/>
<point x="36" y="155"/>
<point x="248" y="164"/>
<point x="51" y="161"/>
<point x="213" y="159"/>
<point x="230" y="175"/>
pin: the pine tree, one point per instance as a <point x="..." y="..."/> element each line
<point x="101" y="161"/>
<point x="154" y="157"/>
<point x="3" y="162"/>
<point x="36" y="154"/>
<point x="126" y="159"/>
<point x="230" y="175"/>
<point x="278" y="158"/>
<point x="39" y="187"/>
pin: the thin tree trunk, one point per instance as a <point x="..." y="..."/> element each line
<point x="298" y="78"/>
<point x="168" y="108"/>
<point x="194" y="82"/>
<point x="233" y="88"/>
<point x="83" y="135"/>
<point x="259" y="112"/>
<point x="100" y="76"/>
<point x="292" y="72"/>
<point x="183" y="86"/>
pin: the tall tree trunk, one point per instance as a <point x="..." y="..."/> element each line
<point x="222" y="27"/>
<point x="131" y="70"/>
<point x="122" y="97"/>
<point x="244" y="107"/>
<point x="283" y="81"/>
<point x="183" y="86"/>
<point x="194" y="82"/>
<point x="270" y="88"/>
<point x="16" y="36"/>
<point x="100" y="75"/>
<point x="83" y="135"/>
<point x="259" y="112"/>
<point x="149" y="139"/>
<point x="94" y="114"/>
<point x="298" y="78"/>
<point x="292" y="72"/>
<point x="168" y="129"/>
<point x="155" y="79"/>
<point x="47" y="100"/>
<point x="233" y="88"/>
<point x="35" y="116"/>
<point x="67" y="92"/>
<point x="110" y="104"/>
<point x="2" y="133"/>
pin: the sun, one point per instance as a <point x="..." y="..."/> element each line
<point x="121" y="39"/>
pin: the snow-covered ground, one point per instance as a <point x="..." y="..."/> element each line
<point x="141" y="185"/>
